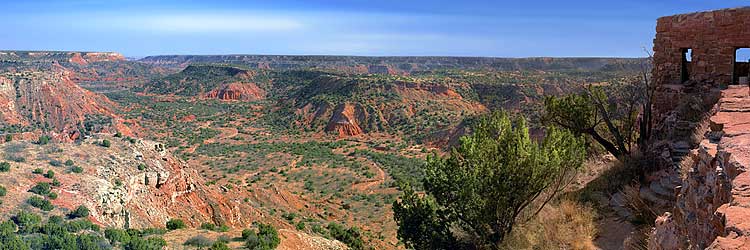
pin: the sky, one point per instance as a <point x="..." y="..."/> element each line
<point x="541" y="28"/>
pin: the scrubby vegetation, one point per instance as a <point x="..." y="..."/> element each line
<point x="486" y="184"/>
<point x="267" y="238"/>
<point x="174" y="224"/>
<point x="352" y="237"/>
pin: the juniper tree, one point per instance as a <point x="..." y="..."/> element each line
<point x="497" y="176"/>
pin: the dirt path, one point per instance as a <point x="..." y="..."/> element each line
<point x="369" y="184"/>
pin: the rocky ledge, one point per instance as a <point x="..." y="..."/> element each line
<point x="713" y="203"/>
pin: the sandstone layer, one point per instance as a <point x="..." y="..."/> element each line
<point x="237" y="91"/>
<point x="50" y="100"/>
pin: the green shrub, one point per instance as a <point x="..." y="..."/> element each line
<point x="43" y="140"/>
<point x="208" y="226"/>
<point x="141" y="166"/>
<point x="50" y="174"/>
<point x="38" y="171"/>
<point x="3" y="191"/>
<point x="80" y="212"/>
<point x="481" y="188"/>
<point x="69" y="162"/>
<point x="267" y="238"/>
<point x="115" y="235"/>
<point x="52" y="195"/>
<point x="219" y="246"/>
<point x="27" y="222"/>
<point x="151" y="243"/>
<point x="76" y="169"/>
<point x="289" y="216"/>
<point x="42" y="188"/>
<point x="246" y="233"/>
<point x="8" y="137"/>
<point x="4" y="166"/>
<point x="174" y="224"/>
<point x="41" y="203"/>
<point x="106" y="143"/>
<point x="352" y="237"/>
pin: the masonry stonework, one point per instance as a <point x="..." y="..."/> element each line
<point x="693" y="105"/>
<point x="713" y="36"/>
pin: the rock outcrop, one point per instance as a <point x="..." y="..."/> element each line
<point x="712" y="204"/>
<point x="126" y="185"/>
<point x="51" y="100"/>
<point x="345" y="118"/>
<point x="237" y="91"/>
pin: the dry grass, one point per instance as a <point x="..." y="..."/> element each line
<point x="638" y="240"/>
<point x="565" y="225"/>
<point x="641" y="210"/>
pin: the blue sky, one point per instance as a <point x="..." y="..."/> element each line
<point x="355" y="27"/>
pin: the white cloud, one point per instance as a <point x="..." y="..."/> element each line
<point x="219" y="23"/>
<point x="203" y="23"/>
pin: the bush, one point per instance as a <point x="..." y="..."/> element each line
<point x="198" y="241"/>
<point x="174" y="224"/>
<point x="38" y="171"/>
<point x="246" y="233"/>
<point x="151" y="243"/>
<point x="482" y="187"/>
<point x="106" y="143"/>
<point x="43" y="140"/>
<point x="52" y="195"/>
<point x="27" y="222"/>
<point x="8" y="137"/>
<point x="4" y="166"/>
<point x="267" y="238"/>
<point x="41" y="188"/>
<point x="55" y="163"/>
<point x="41" y="203"/>
<point x="115" y="235"/>
<point x="219" y="246"/>
<point x="208" y="226"/>
<point x="69" y="162"/>
<point x="3" y="191"/>
<point x="50" y="174"/>
<point x="352" y="237"/>
<point x="76" y="169"/>
<point x="80" y="212"/>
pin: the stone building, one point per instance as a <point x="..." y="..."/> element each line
<point x="701" y="46"/>
<point x="703" y="123"/>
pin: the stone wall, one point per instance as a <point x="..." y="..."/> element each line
<point x="712" y="205"/>
<point x="713" y="37"/>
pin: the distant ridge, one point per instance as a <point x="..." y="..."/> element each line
<point x="399" y="63"/>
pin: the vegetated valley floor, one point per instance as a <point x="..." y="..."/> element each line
<point x="322" y="143"/>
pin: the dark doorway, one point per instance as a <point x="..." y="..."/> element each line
<point x="741" y="65"/>
<point x="687" y="59"/>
